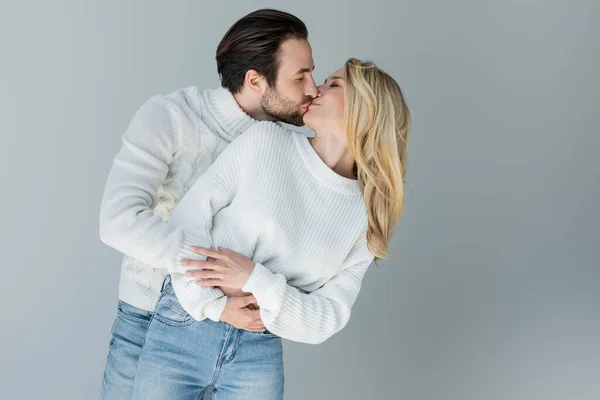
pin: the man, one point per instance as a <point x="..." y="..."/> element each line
<point x="265" y="65"/>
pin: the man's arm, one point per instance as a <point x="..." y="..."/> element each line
<point x="127" y="222"/>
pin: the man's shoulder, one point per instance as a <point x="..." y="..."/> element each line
<point x="184" y="99"/>
<point x="189" y="91"/>
<point x="185" y="106"/>
<point x="171" y="102"/>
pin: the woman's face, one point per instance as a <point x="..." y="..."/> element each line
<point x="326" y="112"/>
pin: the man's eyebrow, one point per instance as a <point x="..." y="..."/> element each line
<point x="305" y="70"/>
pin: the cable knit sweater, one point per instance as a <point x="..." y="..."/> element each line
<point x="270" y="197"/>
<point x="171" y="140"/>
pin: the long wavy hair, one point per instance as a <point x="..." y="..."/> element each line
<point x="377" y="121"/>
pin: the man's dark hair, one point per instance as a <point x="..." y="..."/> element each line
<point x="253" y="43"/>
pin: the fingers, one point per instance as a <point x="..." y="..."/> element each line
<point x="196" y="264"/>
<point x="253" y="327"/>
<point x="208" y="252"/>
<point x="256" y="325"/>
<point x="251" y="314"/>
<point x="247" y="323"/>
<point x="246" y="300"/>
<point x="209" y="282"/>
<point x="247" y="320"/>
<point x="248" y="326"/>
<point x="205" y="274"/>
<point x="256" y="329"/>
<point x="224" y="250"/>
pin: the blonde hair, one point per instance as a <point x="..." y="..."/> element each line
<point x="376" y="121"/>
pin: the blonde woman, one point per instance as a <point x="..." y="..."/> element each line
<point x="305" y="216"/>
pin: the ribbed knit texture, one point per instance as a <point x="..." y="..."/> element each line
<point x="270" y="197"/>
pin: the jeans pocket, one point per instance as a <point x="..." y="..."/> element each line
<point x="132" y="313"/>
<point x="267" y="334"/>
<point x="170" y="312"/>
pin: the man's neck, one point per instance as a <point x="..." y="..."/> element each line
<point x="251" y="106"/>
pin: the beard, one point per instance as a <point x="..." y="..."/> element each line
<point x="283" y="109"/>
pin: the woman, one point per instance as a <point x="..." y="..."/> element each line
<point x="306" y="218"/>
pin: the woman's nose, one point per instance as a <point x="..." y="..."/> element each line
<point x="319" y="91"/>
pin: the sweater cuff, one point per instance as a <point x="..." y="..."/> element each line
<point x="214" y="308"/>
<point x="267" y="287"/>
<point x="186" y="253"/>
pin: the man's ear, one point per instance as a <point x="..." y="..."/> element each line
<point x="255" y="82"/>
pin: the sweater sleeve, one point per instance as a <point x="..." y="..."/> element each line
<point x="310" y="317"/>
<point x="127" y="221"/>
<point x="212" y="191"/>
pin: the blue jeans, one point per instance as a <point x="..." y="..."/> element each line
<point x="127" y="339"/>
<point x="181" y="357"/>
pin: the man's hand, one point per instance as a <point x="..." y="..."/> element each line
<point x="229" y="268"/>
<point x="238" y="314"/>
<point x="233" y="292"/>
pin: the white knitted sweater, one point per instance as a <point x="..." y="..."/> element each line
<point x="270" y="197"/>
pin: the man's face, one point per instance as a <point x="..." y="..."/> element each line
<point x="295" y="87"/>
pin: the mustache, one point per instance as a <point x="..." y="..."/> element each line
<point x="307" y="101"/>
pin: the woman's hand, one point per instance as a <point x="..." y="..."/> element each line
<point x="223" y="267"/>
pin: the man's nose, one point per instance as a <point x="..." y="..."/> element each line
<point x="312" y="89"/>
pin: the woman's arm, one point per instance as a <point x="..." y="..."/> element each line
<point x="310" y="317"/>
<point x="194" y="214"/>
<point x="212" y="191"/>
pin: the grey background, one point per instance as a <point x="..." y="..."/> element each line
<point x="493" y="289"/>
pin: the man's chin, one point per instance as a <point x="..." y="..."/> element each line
<point x="297" y="120"/>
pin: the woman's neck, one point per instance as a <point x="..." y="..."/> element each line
<point x="335" y="154"/>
